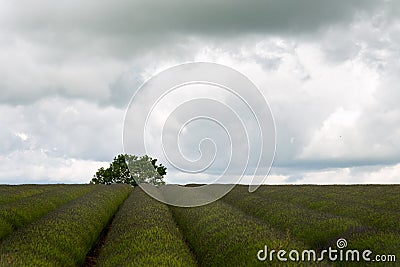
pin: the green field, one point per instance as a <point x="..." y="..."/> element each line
<point x="117" y="225"/>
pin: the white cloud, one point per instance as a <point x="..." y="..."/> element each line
<point x="23" y="136"/>
<point x="38" y="167"/>
<point x="337" y="138"/>
<point x="63" y="127"/>
<point x="383" y="175"/>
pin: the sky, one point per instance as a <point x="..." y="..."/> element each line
<point x="328" y="69"/>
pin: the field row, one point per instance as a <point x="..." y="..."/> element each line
<point x="318" y="216"/>
<point x="372" y="205"/>
<point x="64" y="236"/>
<point x="58" y="226"/>
<point x="10" y="193"/>
<point x="15" y="214"/>
<point x="144" y="233"/>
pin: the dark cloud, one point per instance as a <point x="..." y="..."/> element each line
<point x="69" y="68"/>
<point x="124" y="29"/>
<point x="141" y="19"/>
<point x="83" y="49"/>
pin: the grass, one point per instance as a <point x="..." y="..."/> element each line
<point x="144" y="233"/>
<point x="64" y="236"/>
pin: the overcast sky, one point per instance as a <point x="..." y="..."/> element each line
<point x="330" y="71"/>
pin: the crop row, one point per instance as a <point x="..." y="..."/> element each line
<point x="373" y="206"/>
<point x="10" y="193"/>
<point x="14" y="215"/>
<point x="315" y="228"/>
<point x="144" y="233"/>
<point x="221" y="235"/>
<point x="64" y="236"/>
<point x="58" y="225"/>
<point x="376" y="206"/>
<point x="370" y="201"/>
<point x="321" y="225"/>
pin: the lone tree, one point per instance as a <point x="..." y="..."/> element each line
<point x="141" y="170"/>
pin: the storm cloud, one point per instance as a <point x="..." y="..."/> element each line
<point x="329" y="70"/>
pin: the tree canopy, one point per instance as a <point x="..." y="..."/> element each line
<point x="130" y="169"/>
